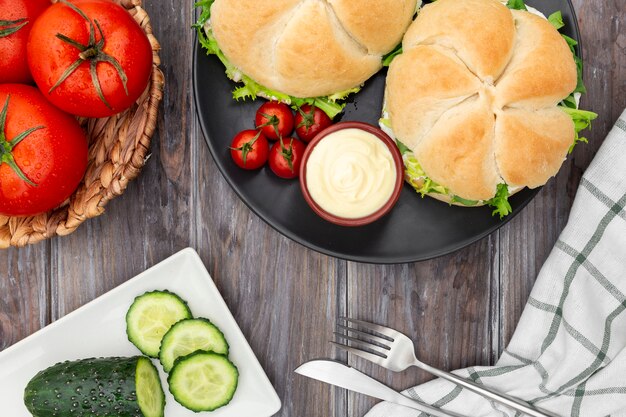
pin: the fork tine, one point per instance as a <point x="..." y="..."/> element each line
<point x="365" y="355"/>
<point x="367" y="337"/>
<point x="365" y="345"/>
<point x="385" y="331"/>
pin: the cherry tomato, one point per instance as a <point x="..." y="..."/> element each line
<point x="43" y="152"/>
<point x="89" y="57"/>
<point x="286" y="157"/>
<point x="275" y="120"/>
<point x="250" y="149"/>
<point x="16" y="20"/>
<point x="310" y="121"/>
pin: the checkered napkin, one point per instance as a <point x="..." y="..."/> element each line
<point x="568" y="354"/>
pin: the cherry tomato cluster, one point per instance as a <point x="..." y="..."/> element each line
<point x="274" y="121"/>
<point x="86" y="58"/>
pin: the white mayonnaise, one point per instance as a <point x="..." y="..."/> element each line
<point x="351" y="173"/>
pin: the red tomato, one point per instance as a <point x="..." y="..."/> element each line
<point x="310" y="121"/>
<point x="286" y="157"/>
<point x="119" y="54"/>
<point x="16" y="20"/>
<point x="40" y="171"/>
<point x="275" y="120"/>
<point x="250" y="149"/>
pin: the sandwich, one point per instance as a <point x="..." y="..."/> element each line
<point x="302" y="51"/>
<point x="482" y="101"/>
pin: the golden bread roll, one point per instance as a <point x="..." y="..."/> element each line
<point x="459" y="150"/>
<point x="309" y="48"/>
<point x="482" y="33"/>
<point x="542" y="71"/>
<point x="474" y="96"/>
<point x="377" y="25"/>
<point x="530" y="146"/>
<point x="426" y="82"/>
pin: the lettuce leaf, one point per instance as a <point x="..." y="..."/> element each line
<point x="500" y="202"/>
<point x="556" y="19"/>
<point x="582" y="120"/>
<point x="465" y="202"/>
<point x="415" y="175"/>
<point x="516" y="5"/>
<point x="391" y="55"/>
<point x="250" y="88"/>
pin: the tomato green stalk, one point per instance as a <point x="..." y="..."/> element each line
<point x="287" y="153"/>
<point x="308" y="119"/>
<point x="246" y="148"/>
<point x="272" y="120"/>
<point x="6" y="147"/>
<point x="92" y="53"/>
<point x="7" y="27"/>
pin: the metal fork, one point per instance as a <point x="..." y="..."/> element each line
<point x="395" y="351"/>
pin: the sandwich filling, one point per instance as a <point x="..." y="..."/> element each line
<point x="417" y="177"/>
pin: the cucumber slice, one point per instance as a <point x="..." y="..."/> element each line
<point x="189" y="335"/>
<point x="103" y="387"/>
<point x="150" y="316"/>
<point x="203" y="381"/>
<point x="150" y="395"/>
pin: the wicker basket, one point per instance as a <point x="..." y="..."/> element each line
<point x="117" y="151"/>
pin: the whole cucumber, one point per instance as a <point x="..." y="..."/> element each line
<point x="102" y="387"/>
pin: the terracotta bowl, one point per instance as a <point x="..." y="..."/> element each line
<point x="397" y="158"/>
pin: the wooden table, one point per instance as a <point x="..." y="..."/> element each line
<point x="461" y="309"/>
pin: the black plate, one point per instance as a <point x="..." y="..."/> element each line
<point x="415" y="230"/>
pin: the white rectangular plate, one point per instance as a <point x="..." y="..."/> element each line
<point x="98" y="329"/>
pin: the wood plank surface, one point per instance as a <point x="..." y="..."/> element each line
<point x="443" y="305"/>
<point x="460" y="309"/>
<point x="24" y="292"/>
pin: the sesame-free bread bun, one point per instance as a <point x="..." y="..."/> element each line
<point x="542" y="71"/>
<point x="474" y="96"/>
<point x="309" y="48"/>
<point x="482" y="33"/>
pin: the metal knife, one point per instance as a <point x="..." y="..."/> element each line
<point x="343" y="376"/>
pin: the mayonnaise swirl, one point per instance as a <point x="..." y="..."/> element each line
<point x="351" y="173"/>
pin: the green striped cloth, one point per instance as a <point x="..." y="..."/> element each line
<point x="568" y="353"/>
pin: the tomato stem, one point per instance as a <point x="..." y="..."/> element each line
<point x="93" y="53"/>
<point x="308" y="119"/>
<point x="272" y="120"/>
<point x="7" y="27"/>
<point x="6" y="150"/>
<point x="287" y="153"/>
<point x="88" y="54"/>
<point x="247" y="147"/>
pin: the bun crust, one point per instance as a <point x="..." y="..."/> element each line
<point x="474" y="95"/>
<point x="309" y="48"/>
<point x="482" y="33"/>
<point x="459" y="151"/>
<point x="391" y="17"/>
<point x="426" y="81"/>
<point x="542" y="71"/>
<point x="530" y="146"/>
